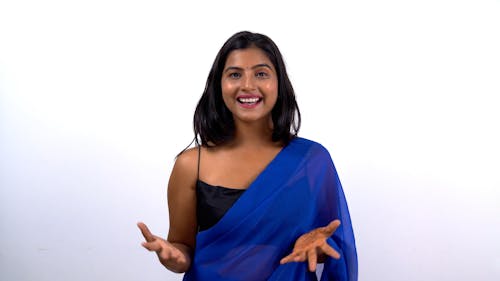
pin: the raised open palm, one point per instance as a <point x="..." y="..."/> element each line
<point x="313" y="245"/>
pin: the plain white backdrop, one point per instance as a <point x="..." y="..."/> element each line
<point x="97" y="98"/>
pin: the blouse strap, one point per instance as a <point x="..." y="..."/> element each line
<point x="199" y="159"/>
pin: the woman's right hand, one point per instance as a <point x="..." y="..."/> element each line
<point x="173" y="258"/>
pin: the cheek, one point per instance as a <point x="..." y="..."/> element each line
<point x="272" y="89"/>
<point x="227" y="94"/>
<point x="227" y="89"/>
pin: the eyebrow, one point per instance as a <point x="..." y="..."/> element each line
<point x="253" y="67"/>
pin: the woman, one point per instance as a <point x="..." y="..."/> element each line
<point x="253" y="201"/>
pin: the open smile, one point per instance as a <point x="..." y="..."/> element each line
<point x="249" y="102"/>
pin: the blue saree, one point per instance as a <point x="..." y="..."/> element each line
<point x="296" y="193"/>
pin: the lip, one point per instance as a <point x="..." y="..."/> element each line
<point x="249" y="96"/>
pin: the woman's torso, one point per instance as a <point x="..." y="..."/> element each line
<point x="223" y="176"/>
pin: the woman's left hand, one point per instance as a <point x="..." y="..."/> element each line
<point x="312" y="246"/>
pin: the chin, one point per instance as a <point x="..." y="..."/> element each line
<point x="247" y="118"/>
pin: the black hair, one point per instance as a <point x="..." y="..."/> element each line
<point x="213" y="122"/>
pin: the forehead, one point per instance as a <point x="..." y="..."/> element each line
<point x="247" y="58"/>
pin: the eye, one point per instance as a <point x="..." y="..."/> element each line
<point x="262" y="74"/>
<point x="234" y="75"/>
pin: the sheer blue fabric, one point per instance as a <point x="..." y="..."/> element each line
<point x="296" y="193"/>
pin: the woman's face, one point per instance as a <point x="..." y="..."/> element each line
<point x="249" y="85"/>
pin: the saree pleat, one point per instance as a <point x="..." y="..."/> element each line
<point x="296" y="193"/>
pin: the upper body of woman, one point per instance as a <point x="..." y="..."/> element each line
<point x="253" y="201"/>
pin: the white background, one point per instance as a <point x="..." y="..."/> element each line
<point x="97" y="98"/>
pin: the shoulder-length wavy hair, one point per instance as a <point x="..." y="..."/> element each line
<point x="213" y="122"/>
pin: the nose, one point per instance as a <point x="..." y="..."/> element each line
<point x="248" y="83"/>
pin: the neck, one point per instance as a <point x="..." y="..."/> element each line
<point x="253" y="133"/>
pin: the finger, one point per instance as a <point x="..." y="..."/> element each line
<point x="330" y="251"/>
<point x="312" y="259"/>
<point x="152" y="246"/>
<point x="145" y="232"/>
<point x="299" y="257"/>
<point x="287" y="259"/>
<point x="331" y="227"/>
<point x="181" y="259"/>
<point x="166" y="254"/>
<point x="293" y="257"/>
<point x="170" y="252"/>
<point x="178" y="256"/>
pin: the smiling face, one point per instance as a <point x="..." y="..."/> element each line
<point x="249" y="85"/>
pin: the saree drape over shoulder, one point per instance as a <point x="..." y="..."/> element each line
<point x="296" y="193"/>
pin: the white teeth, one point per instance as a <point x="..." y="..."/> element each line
<point x="248" y="100"/>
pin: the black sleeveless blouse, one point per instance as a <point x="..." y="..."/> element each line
<point x="213" y="202"/>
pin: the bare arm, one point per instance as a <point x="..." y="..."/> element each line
<point x="176" y="252"/>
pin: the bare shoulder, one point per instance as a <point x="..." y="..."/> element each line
<point x="188" y="159"/>
<point x="186" y="168"/>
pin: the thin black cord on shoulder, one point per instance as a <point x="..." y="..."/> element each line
<point x="197" y="144"/>
<point x="199" y="160"/>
